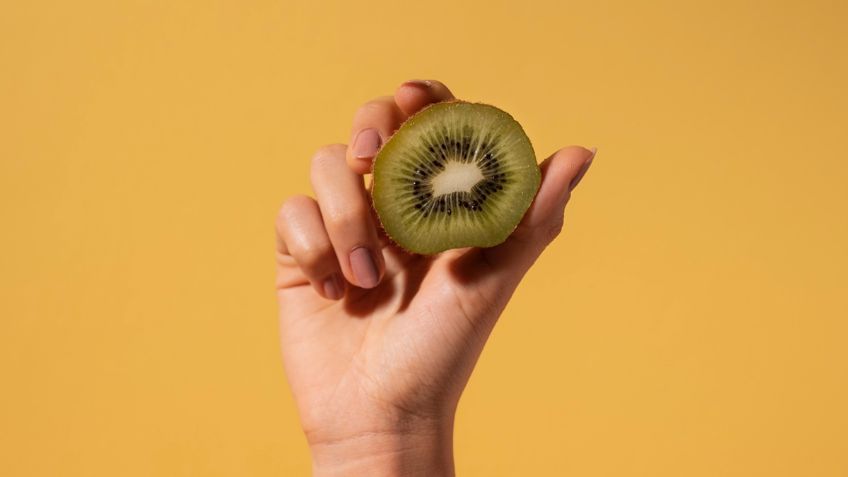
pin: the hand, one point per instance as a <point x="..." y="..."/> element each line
<point x="378" y="344"/>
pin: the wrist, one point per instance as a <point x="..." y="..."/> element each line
<point x="413" y="449"/>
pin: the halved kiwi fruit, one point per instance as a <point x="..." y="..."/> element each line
<point x="456" y="174"/>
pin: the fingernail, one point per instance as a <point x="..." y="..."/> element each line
<point x="418" y="83"/>
<point x="332" y="288"/>
<point x="364" y="268"/>
<point x="583" y="169"/>
<point x="366" y="144"/>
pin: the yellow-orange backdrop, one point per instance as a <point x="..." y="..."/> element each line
<point x="691" y="321"/>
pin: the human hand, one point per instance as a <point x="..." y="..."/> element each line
<point x="378" y="344"/>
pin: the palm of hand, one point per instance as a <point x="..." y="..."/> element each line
<point x="404" y="348"/>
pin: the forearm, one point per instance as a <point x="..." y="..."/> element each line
<point x="419" y="451"/>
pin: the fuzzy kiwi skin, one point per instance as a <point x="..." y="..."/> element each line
<point x="482" y="241"/>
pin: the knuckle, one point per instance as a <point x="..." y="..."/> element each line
<point x="311" y="256"/>
<point x="553" y="229"/>
<point x="292" y="206"/>
<point x="327" y="156"/>
<point x="349" y="219"/>
<point x="382" y="104"/>
<point x="375" y="110"/>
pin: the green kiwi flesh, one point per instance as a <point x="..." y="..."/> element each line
<point x="454" y="175"/>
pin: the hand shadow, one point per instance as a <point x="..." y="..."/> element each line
<point x="471" y="266"/>
<point x="362" y="303"/>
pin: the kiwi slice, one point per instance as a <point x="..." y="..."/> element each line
<point x="456" y="174"/>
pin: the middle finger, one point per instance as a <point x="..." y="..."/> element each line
<point x="346" y="209"/>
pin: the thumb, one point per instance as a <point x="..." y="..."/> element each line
<point x="561" y="172"/>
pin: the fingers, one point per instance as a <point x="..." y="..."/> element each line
<point x="333" y="238"/>
<point x="346" y="212"/>
<point x="543" y="222"/>
<point x="373" y="123"/>
<point x="301" y="235"/>
<point x="379" y="118"/>
<point x="413" y="95"/>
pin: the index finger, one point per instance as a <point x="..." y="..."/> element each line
<point x="376" y="120"/>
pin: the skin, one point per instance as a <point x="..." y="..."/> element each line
<point x="377" y="361"/>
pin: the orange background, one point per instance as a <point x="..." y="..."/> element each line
<point x="690" y="321"/>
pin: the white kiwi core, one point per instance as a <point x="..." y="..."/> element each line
<point x="456" y="177"/>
